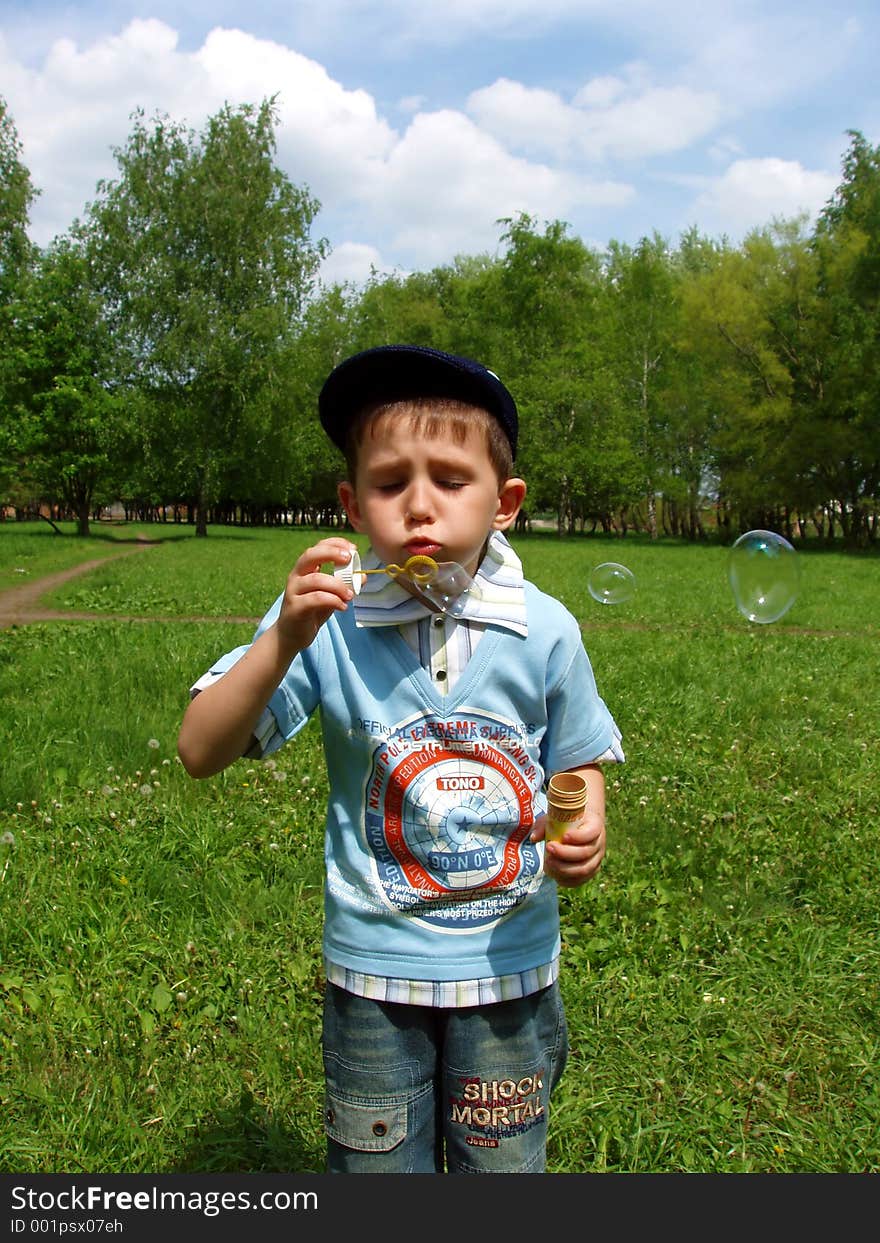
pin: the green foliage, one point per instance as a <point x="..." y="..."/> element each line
<point x="847" y="250"/>
<point x="16" y="254"/>
<point x="16" y="197"/>
<point x="202" y="250"/>
<point x="549" y="289"/>
<point x="70" y="435"/>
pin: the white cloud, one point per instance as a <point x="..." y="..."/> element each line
<point x="600" y="92"/>
<point x="447" y="183"/>
<point x="352" y="262"/>
<point x="78" y="105"/>
<point x="435" y="190"/>
<point x="761" y="58"/>
<point x="750" y="193"/>
<point x="661" y="120"/>
<point x="328" y="137"/>
<point x="608" y="118"/>
<point x="525" y="118"/>
<point x="725" y="147"/>
<point x="412" y="103"/>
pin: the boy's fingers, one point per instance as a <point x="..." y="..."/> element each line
<point x="571" y="871"/>
<point x="539" y="828"/>
<point x="332" y="551"/>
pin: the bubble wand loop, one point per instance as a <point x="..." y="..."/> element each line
<point x="410" y="569"/>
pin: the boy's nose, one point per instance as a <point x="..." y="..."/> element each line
<point x="418" y="504"/>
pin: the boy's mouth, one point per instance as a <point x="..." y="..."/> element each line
<point x="422" y="547"/>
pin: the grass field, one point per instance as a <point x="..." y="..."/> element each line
<point x="160" y="967"/>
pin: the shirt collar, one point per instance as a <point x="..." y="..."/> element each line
<point x="497" y="598"/>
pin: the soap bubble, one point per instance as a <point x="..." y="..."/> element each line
<point x="764" y="575"/>
<point x="610" y="583"/>
<point x="448" y="588"/>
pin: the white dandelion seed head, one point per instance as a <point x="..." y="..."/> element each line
<point x="153" y="744"/>
<point x="7" y="839"/>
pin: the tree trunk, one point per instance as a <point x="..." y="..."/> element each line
<point x="201" y="509"/>
<point x="651" y="503"/>
<point x="563" y="505"/>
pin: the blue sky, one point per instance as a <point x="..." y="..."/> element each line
<point x="419" y="123"/>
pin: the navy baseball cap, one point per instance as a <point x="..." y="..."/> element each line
<point x="400" y="372"/>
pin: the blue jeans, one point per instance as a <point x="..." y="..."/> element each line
<point x="416" y="1090"/>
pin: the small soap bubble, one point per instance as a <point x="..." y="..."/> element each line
<point x="449" y="588"/>
<point x="764" y="575"/>
<point x="610" y="583"/>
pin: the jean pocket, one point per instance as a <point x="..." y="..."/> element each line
<point x="365" y="1126"/>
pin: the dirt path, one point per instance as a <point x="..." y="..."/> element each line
<point x="21" y="605"/>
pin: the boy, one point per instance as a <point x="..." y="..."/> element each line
<point x="443" y="1030"/>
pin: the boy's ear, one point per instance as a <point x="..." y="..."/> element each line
<point x="348" y="499"/>
<point x="510" y="502"/>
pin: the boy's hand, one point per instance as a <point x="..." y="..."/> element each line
<point x="311" y="596"/>
<point x="577" y="857"/>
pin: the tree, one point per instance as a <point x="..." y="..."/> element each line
<point x="846" y="245"/>
<point x="71" y="434"/>
<point x="16" y="197"/>
<point x="203" y="250"/>
<point x="547" y="293"/>
<point x="16" y="256"/>
<point x="643" y="292"/>
<point x="731" y="317"/>
<point x="316" y="466"/>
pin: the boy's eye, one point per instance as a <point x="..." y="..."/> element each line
<point x="451" y="484"/>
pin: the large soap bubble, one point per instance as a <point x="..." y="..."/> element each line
<point x="610" y="583"/>
<point x="764" y="575"/>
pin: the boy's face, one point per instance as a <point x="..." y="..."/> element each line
<point x="420" y="495"/>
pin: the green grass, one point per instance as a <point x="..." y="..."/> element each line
<point x="160" y="970"/>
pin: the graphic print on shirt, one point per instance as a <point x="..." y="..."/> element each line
<point x="449" y="806"/>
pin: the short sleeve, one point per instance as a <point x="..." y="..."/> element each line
<point x="291" y="704"/>
<point x="580" y="728"/>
